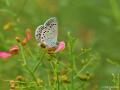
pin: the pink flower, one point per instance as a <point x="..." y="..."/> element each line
<point x="27" y="38"/>
<point x="5" y="55"/>
<point x="14" y="49"/>
<point x="61" y="46"/>
<point x="28" y="34"/>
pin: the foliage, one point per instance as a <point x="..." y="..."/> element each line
<point x="90" y="60"/>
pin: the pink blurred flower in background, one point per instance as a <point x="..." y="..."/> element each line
<point x="27" y="37"/>
<point x="15" y="49"/>
<point x="7" y="54"/>
<point x="28" y="34"/>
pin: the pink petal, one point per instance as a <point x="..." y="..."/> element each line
<point x="60" y="47"/>
<point x="27" y="38"/>
<point x="4" y="55"/>
<point x="14" y="49"/>
<point x="28" y="34"/>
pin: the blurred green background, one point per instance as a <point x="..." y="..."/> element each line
<point x="95" y="23"/>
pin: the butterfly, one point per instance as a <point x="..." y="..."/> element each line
<point x="46" y="34"/>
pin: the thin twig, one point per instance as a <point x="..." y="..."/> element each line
<point x="25" y="65"/>
<point x="21" y="10"/>
<point x="37" y="65"/>
<point x="83" y="68"/>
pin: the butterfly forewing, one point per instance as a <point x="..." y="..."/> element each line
<point x="47" y="33"/>
<point x="38" y="33"/>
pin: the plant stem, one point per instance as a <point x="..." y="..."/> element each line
<point x="37" y="65"/>
<point x="30" y="52"/>
<point x="32" y="74"/>
<point x="25" y="64"/>
<point x="56" y="72"/>
<point x="115" y="10"/>
<point x="49" y="83"/>
<point x="52" y="65"/>
<point x="83" y="68"/>
<point x="23" y="56"/>
<point x="72" y="66"/>
<point x="21" y="10"/>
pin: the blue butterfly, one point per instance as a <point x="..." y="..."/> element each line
<point x="47" y="33"/>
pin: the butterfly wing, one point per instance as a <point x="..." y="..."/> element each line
<point x="49" y="34"/>
<point x="38" y="33"/>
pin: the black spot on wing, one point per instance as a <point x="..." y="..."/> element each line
<point x="50" y="21"/>
<point x="38" y="32"/>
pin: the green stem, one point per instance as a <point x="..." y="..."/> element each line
<point x="32" y="74"/>
<point x="56" y="72"/>
<point x="72" y="66"/>
<point x="115" y="10"/>
<point x="49" y="83"/>
<point x="25" y="64"/>
<point x="37" y="65"/>
<point x="52" y="65"/>
<point x="21" y="10"/>
<point x="30" y="52"/>
<point x="23" y="56"/>
<point x="83" y="68"/>
<point x="72" y="73"/>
